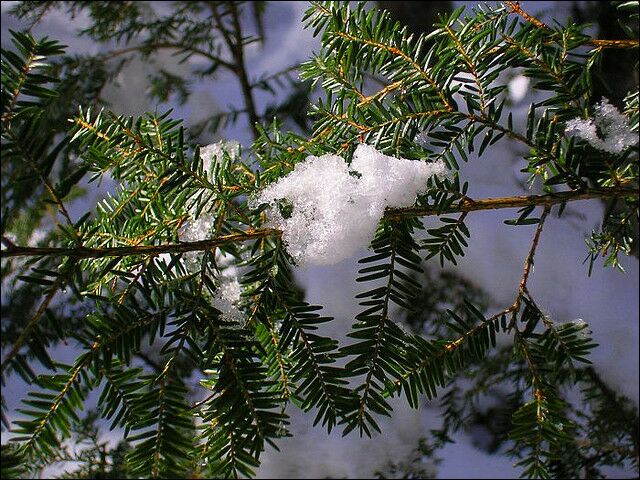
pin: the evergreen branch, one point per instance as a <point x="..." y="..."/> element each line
<point x="528" y="263"/>
<point x="164" y="449"/>
<point x="118" y="395"/>
<point x="310" y="356"/>
<point x="380" y="94"/>
<point x="148" y="48"/>
<point x="157" y="444"/>
<point x="18" y="75"/>
<point x="272" y="343"/>
<point x="380" y="350"/>
<point x="532" y="251"/>
<point x="544" y="65"/>
<point x="404" y="56"/>
<point x="54" y="414"/>
<point x="379" y="339"/>
<point x="242" y="406"/>
<point x="50" y="189"/>
<point x="6" y="116"/>
<point x="485" y="324"/>
<point x="313" y="348"/>
<point x="446" y="349"/>
<point x="604" y="43"/>
<point x="467" y="205"/>
<point x="45" y="423"/>
<point x="24" y="336"/>
<point x="447" y="239"/>
<point x="484" y="120"/>
<point x="516" y="8"/>
<point x="472" y="68"/>
<point x="236" y="47"/>
<point x="400" y="119"/>
<point x="84" y="252"/>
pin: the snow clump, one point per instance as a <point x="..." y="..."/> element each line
<point x="214" y="152"/>
<point x="518" y="88"/>
<point x="199" y="227"/>
<point x="613" y="125"/>
<point x="227" y="299"/>
<point x="327" y="210"/>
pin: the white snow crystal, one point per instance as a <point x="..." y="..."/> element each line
<point x="518" y="87"/>
<point x="193" y="231"/>
<point x="227" y="298"/>
<point x="614" y="127"/>
<point x="422" y="139"/>
<point x="327" y="211"/>
<point x="199" y="228"/>
<point x="213" y="153"/>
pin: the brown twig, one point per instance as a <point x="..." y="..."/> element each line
<point x="550" y="199"/>
<point x="466" y="205"/>
<point x="136" y="249"/>
<point x="528" y="263"/>
<point x="516" y="8"/>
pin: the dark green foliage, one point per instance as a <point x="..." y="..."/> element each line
<point x="551" y="432"/>
<point x="308" y="376"/>
<point x="380" y="348"/>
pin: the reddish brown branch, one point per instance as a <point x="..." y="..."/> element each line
<point x="516" y="8"/>
<point x="549" y="199"/>
<point x="466" y="205"/>
<point x="136" y="249"/>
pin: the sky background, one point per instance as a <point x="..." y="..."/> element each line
<point x="608" y="300"/>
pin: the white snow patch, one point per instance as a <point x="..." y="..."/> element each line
<point x="213" y="153"/>
<point x="614" y="127"/>
<point x="199" y="228"/>
<point x="227" y="299"/>
<point x="518" y="88"/>
<point x="328" y="210"/>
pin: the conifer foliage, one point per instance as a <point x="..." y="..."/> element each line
<point x="224" y="306"/>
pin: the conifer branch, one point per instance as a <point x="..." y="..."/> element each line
<point x="516" y="8"/>
<point x="83" y="252"/>
<point x="148" y="48"/>
<point x="22" y="339"/>
<point x="549" y="199"/>
<point x="466" y="205"/>
<point x="235" y="45"/>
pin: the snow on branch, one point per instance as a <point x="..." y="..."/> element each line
<point x="609" y="131"/>
<point x="327" y="209"/>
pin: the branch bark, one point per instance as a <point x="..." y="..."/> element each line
<point x="626" y="43"/>
<point x="83" y="252"/>
<point x="549" y="199"/>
